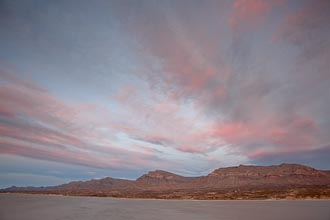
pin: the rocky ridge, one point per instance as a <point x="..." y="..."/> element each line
<point x="244" y="181"/>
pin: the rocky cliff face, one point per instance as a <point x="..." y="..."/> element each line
<point x="284" y="175"/>
<point x="265" y="171"/>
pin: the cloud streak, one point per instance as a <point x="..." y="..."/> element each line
<point x="38" y="125"/>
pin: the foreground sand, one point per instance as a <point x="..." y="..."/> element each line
<point x="30" y="207"/>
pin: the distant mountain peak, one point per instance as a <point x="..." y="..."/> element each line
<point x="159" y="175"/>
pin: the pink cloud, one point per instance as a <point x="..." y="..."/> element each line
<point x="234" y="131"/>
<point x="126" y="94"/>
<point x="298" y="25"/>
<point x="300" y="132"/>
<point x="263" y="137"/>
<point x="287" y="155"/>
<point x="191" y="64"/>
<point x="191" y="149"/>
<point x="251" y="12"/>
<point x="169" y="126"/>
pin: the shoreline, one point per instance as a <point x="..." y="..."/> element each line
<point x="160" y="199"/>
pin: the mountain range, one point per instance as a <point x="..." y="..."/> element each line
<point x="285" y="181"/>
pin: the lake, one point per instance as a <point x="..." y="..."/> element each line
<point x="31" y="207"/>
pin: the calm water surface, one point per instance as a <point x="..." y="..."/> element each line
<point x="32" y="207"/>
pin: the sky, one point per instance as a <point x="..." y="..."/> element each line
<point x="90" y="89"/>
